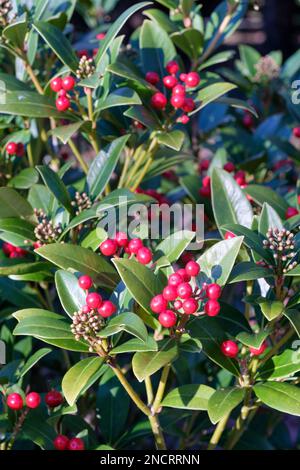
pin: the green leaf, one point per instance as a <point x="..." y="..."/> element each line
<point x="17" y="267"/>
<point x="239" y="104"/>
<point x="253" y="340"/>
<point x="19" y="227"/>
<point x="190" y="41"/>
<point x="269" y="219"/>
<point x="271" y="308"/>
<point x="263" y="194"/>
<point x="280" y="396"/>
<point x="217" y="262"/>
<point x="129" y="322"/>
<point x="71" y="296"/>
<point x="135" y="345"/>
<point x="223" y="401"/>
<point x="30" y="104"/>
<point x="81" y="376"/>
<point x="141" y="282"/>
<point x="59" y="44"/>
<point x="37" y="356"/>
<point x="143" y="115"/>
<point x="78" y="259"/>
<point x="229" y="203"/>
<point x="103" y="166"/>
<point x="231" y="320"/>
<point x="173" y="139"/>
<point x="16" y="33"/>
<point x="13" y="205"/>
<point x="10" y="83"/>
<point x="218" y="58"/>
<point x="56" y="186"/>
<point x="120" y="97"/>
<point x="64" y="133"/>
<point x="248" y="271"/>
<point x="189" y="397"/>
<point x="249" y="57"/>
<point x="37" y="430"/>
<point x="279" y="367"/>
<point x="174" y="245"/>
<point x="145" y="364"/>
<point x="293" y="316"/>
<point x="211" y="93"/>
<point x="25" y="179"/>
<point x="161" y="18"/>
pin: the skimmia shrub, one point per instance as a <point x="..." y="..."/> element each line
<point x="151" y="342"/>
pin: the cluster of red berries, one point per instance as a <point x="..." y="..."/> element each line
<point x="15" y="149"/>
<point x="62" y="86"/>
<point x="94" y="301"/>
<point x="62" y="442"/>
<point x="12" y="251"/>
<point x="183" y="298"/>
<point x="135" y="246"/>
<point x="231" y="349"/>
<point x="239" y="176"/>
<point x="33" y="400"/>
<point x="160" y="198"/>
<point x="178" y="99"/>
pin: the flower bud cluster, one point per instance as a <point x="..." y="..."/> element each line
<point x="282" y="244"/>
<point x="46" y="231"/>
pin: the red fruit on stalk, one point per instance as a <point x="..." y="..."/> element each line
<point x="20" y="150"/>
<point x="206" y="181"/>
<point x="178" y="90"/>
<point x="158" y="304"/>
<point x="184" y="290"/>
<point x="135" y="245"/>
<point x="178" y="304"/>
<point x="212" y="308"/>
<point x="184" y="119"/>
<point x="248" y="121"/>
<point x="291" y="212"/>
<point x="169" y="81"/>
<point x="8" y="248"/>
<point x="296" y="132"/>
<point x="167" y="319"/>
<point x="204" y="165"/>
<point x="121" y="239"/>
<point x="93" y="300"/>
<point x="188" y="105"/>
<point x="170" y="293"/>
<point x="205" y="191"/>
<point x="192" y="80"/>
<point x="190" y="306"/>
<point x="229" y="348"/>
<point x="175" y="279"/>
<point x="11" y="148"/>
<point x="159" y="101"/>
<point x="177" y="101"/>
<point x="258" y="351"/>
<point x="54" y="399"/>
<point x="172" y="67"/>
<point x="152" y="77"/>
<point x="56" y="84"/>
<point x="68" y="83"/>
<point x="213" y="291"/>
<point x="229" y="235"/>
<point x="85" y="282"/>
<point x="101" y="36"/>
<point x="229" y="167"/>
<point x="76" y="444"/>
<point x="192" y="268"/>
<point x="33" y="400"/>
<point x="144" y="255"/>
<point x="182" y="77"/>
<point x="108" y="247"/>
<point x="14" y="401"/>
<point x="62" y="103"/>
<point x="183" y="273"/>
<point x="107" y="309"/>
<point x="85" y="309"/>
<point x="61" y="442"/>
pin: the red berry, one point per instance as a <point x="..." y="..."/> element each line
<point x="172" y="67"/>
<point x="170" y="81"/>
<point x="177" y="101"/>
<point x="135" y="245"/>
<point x="192" y="268"/>
<point x="204" y="165"/>
<point x="15" y="401"/>
<point x="20" y="150"/>
<point x="175" y="279"/>
<point x="12" y="148"/>
<point x="100" y="36"/>
<point x="229" y="348"/>
<point x="296" y="132"/>
<point x="184" y="119"/>
<point x="190" y="306"/>
<point x="93" y="300"/>
<point x="178" y="304"/>
<point x="178" y="90"/>
<point x="213" y="291"/>
<point x="206" y="181"/>
<point x="85" y="309"/>
<point x="15" y="254"/>
<point x="61" y="442"/>
<point x="205" y="191"/>
<point x="212" y="308"/>
<point x="229" y="166"/>
<point x="258" y="351"/>
<point x="68" y="83"/>
<point x="76" y="444"/>
<point x="291" y="212"/>
<point x="54" y="399"/>
<point x="107" y="309"/>
<point x="170" y="293"/>
<point x="248" y="121"/>
<point x="121" y="239"/>
<point x="62" y="103"/>
<point x="108" y="247"/>
<point x="184" y="290"/>
<point x="229" y="235"/>
<point x="8" y="248"/>
<point x="182" y="77"/>
<point x="188" y="105"/>
<point x="183" y="273"/>
<point x="152" y="77"/>
<point x="159" y="101"/>
<point x="56" y="84"/>
<point x="85" y="282"/>
<point x="144" y="255"/>
<point x="167" y="318"/>
<point x="192" y="80"/>
<point x="158" y="304"/>
<point x="33" y="400"/>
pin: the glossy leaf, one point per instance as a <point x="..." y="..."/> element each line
<point x="283" y="397"/>
<point x="263" y="194"/>
<point x="223" y="401"/>
<point x="30" y="104"/>
<point x="37" y="356"/>
<point x="120" y="97"/>
<point x="210" y="93"/>
<point x="129" y="322"/>
<point x="173" y="139"/>
<point x="135" y="345"/>
<point x="174" y="245"/>
<point x="248" y="271"/>
<point x="188" y="397"/>
<point x="71" y="296"/>
<point x="56" y="186"/>
<point x="13" y="205"/>
<point x="145" y="364"/>
<point x="278" y="367"/>
<point x="24" y="179"/>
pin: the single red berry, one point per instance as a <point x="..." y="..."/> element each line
<point x="62" y="103"/>
<point x="8" y="248"/>
<point x="76" y="444"/>
<point x="172" y="67"/>
<point x="296" y="132"/>
<point x="121" y="239"/>
<point x="183" y="273"/>
<point x="178" y="90"/>
<point x="85" y="282"/>
<point x="248" y="121"/>
<point x="206" y="181"/>
<point x="205" y="191"/>
<point x="177" y="101"/>
<point x="190" y="306"/>
<point x="182" y="77"/>
<point x="258" y="351"/>
<point x="107" y="309"/>
<point x="144" y="255"/>
<point x="229" y="348"/>
<point x="192" y="80"/>
<point x="175" y="279"/>
<point x="62" y="93"/>
<point x="15" y="401"/>
<point x="54" y="398"/>
<point x="135" y="245"/>
<point x="229" y="167"/>
<point x="152" y="77"/>
<point x="61" y="442"/>
<point x="94" y="300"/>
<point x="204" y="165"/>
<point x="158" y="304"/>
<point x="100" y="36"/>
<point x="212" y="308"/>
<point x="167" y="318"/>
<point x="85" y="309"/>
<point x="37" y="245"/>
<point x="108" y="247"/>
<point x="188" y="105"/>
<point x="178" y="304"/>
<point x="184" y="119"/>
<point x="184" y="290"/>
<point x="11" y="148"/>
<point x="159" y="101"/>
<point x="56" y="84"/>
<point x="20" y="150"/>
<point x="291" y="212"/>
<point x="170" y="293"/>
<point x="170" y="81"/>
<point x="33" y="400"/>
<point x="68" y="83"/>
<point x="229" y="235"/>
<point x="15" y="254"/>
<point x="240" y="177"/>
<point x="213" y="291"/>
<point x="192" y="268"/>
